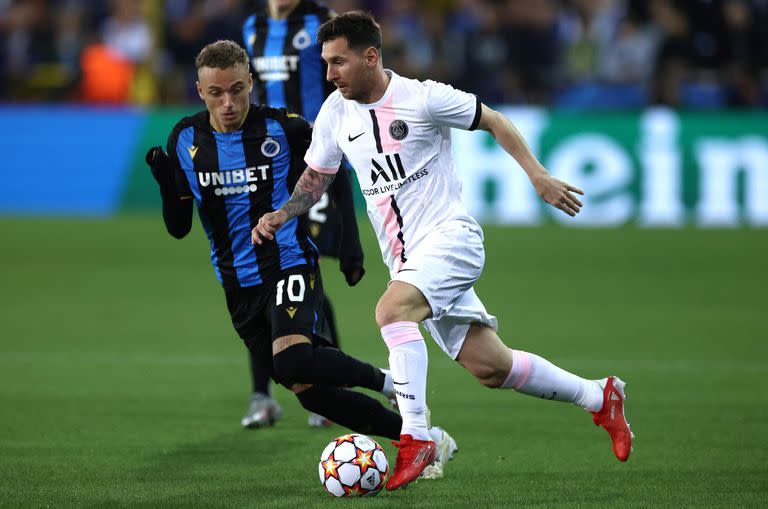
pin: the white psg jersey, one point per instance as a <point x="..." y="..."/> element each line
<point x="400" y="147"/>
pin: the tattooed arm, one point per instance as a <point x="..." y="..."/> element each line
<point x="308" y="191"/>
<point x="309" y="188"/>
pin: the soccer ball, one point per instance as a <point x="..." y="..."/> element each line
<point x="353" y="466"/>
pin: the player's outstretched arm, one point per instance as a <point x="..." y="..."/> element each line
<point x="557" y="193"/>
<point x="308" y="191"/>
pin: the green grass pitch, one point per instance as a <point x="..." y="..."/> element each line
<point x="122" y="382"/>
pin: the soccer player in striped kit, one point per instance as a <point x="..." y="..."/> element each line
<point x="288" y="72"/>
<point x="236" y="161"/>
<point x="396" y="133"/>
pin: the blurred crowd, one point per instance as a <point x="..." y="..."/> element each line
<point x="612" y="54"/>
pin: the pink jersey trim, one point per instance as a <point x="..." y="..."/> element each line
<point x="399" y="333"/>
<point x="521" y="370"/>
<point x="391" y="228"/>
<point x="318" y="168"/>
<point x="385" y="115"/>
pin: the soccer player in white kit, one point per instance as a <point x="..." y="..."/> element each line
<point x="396" y="134"/>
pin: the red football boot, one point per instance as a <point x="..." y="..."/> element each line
<point x="413" y="457"/>
<point x="611" y="417"/>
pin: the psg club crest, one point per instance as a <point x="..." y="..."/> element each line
<point x="398" y="130"/>
<point x="270" y="147"/>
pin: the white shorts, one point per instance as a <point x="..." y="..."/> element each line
<point x="444" y="267"/>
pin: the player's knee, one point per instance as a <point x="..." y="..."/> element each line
<point x="310" y="398"/>
<point x="389" y="311"/>
<point x="294" y="365"/>
<point x="402" y="302"/>
<point x="384" y="315"/>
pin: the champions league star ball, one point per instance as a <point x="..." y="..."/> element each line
<point x="353" y="466"/>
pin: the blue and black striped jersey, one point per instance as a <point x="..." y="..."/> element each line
<point x="285" y="55"/>
<point x="237" y="177"/>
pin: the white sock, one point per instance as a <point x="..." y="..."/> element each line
<point x="436" y="434"/>
<point x="408" y="363"/>
<point x="389" y="387"/>
<point x="535" y="376"/>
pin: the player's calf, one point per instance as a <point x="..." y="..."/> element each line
<point x="351" y="409"/>
<point x="305" y="364"/>
<point x="485" y="356"/>
<point x="489" y="376"/>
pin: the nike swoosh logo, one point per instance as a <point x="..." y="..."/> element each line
<point x="399" y="383"/>
<point x="353" y="138"/>
<point x="405" y="270"/>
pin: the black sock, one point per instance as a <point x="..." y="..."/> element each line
<point x="331" y="362"/>
<point x="261" y="368"/>
<point x="353" y="410"/>
<point x="303" y="363"/>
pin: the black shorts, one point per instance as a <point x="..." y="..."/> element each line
<point x="292" y="305"/>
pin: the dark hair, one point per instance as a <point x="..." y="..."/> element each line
<point x="222" y="55"/>
<point x="359" y="27"/>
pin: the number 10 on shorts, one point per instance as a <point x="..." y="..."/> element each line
<point x="294" y="289"/>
